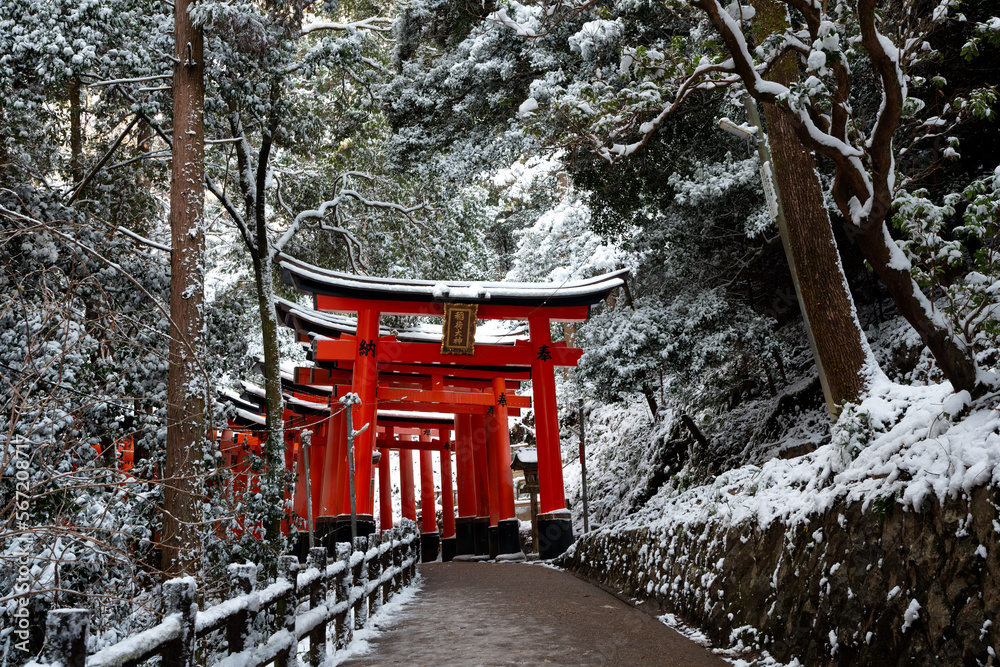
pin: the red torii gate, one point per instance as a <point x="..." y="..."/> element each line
<point x="483" y="529"/>
<point x="368" y="350"/>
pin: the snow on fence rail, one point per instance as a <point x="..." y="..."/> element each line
<point x="343" y="592"/>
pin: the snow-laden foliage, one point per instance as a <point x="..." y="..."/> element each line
<point x="958" y="262"/>
<point x="83" y="373"/>
<point x="51" y="49"/>
<point x="910" y="445"/>
<point x="561" y="245"/>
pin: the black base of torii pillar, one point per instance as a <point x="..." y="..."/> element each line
<point x="555" y="534"/>
<point x="429" y="543"/>
<point x="465" y="537"/>
<point x="509" y="538"/>
<point x="481" y="536"/>
<point x="449" y="549"/>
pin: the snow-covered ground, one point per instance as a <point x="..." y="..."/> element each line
<point x="915" y="444"/>
<point x="377" y="624"/>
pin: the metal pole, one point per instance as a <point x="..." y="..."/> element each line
<point x="583" y="471"/>
<point x="348" y="402"/>
<point x="350" y="469"/>
<point x="306" y="440"/>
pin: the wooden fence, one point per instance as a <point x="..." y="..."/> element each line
<point x="360" y="579"/>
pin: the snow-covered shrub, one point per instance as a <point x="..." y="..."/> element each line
<point x="954" y="253"/>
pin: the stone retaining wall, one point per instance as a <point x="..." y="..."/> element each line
<point x="855" y="587"/>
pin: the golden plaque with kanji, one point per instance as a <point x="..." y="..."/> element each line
<point x="458" y="335"/>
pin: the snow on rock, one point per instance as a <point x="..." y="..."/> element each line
<point x="911" y="614"/>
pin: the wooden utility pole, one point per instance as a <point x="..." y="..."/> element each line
<point x="186" y="387"/>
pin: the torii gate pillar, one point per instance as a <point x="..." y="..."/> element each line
<point x="365" y="386"/>
<point x="407" y="501"/>
<point x="481" y="468"/>
<point x="555" y="527"/>
<point x="430" y="540"/>
<point x="384" y="490"/>
<point x="465" y="543"/>
<point x="508" y="527"/>
<point x="448" y="546"/>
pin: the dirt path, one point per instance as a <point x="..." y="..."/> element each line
<point x="470" y="614"/>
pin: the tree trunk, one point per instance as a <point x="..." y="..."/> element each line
<point x="839" y="344"/>
<point x="275" y="447"/>
<point x="252" y="182"/>
<point x="186" y="390"/>
<point x="651" y="402"/>
<point x="75" y="131"/>
<point x="955" y="360"/>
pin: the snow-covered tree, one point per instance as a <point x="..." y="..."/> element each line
<point x="705" y="47"/>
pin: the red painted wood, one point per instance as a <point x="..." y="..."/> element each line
<point x="430" y="353"/>
<point x="365" y="386"/>
<point x="448" y="398"/>
<point x="384" y="493"/>
<point x="465" y="466"/>
<point x="428" y="515"/>
<point x="407" y="494"/>
<point x="391" y="443"/>
<point x="408" y="427"/>
<point x="333" y="443"/>
<point x="489" y="424"/>
<point x="388" y="377"/>
<point x="343" y="500"/>
<point x="479" y="455"/>
<point x="438" y="407"/>
<point x="317" y="451"/>
<point x="299" y="502"/>
<point x="550" y="479"/>
<point x="501" y="440"/>
<point x="486" y="311"/>
<point x="447" y="495"/>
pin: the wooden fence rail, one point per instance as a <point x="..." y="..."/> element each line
<point x="305" y="601"/>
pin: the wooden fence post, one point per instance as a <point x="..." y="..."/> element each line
<point x="399" y="577"/>
<point x="242" y="579"/>
<point x="344" y="579"/>
<point x="317" y="597"/>
<point x="179" y="599"/>
<point x="385" y="561"/>
<point x="66" y="637"/>
<point x="414" y="554"/>
<point x="288" y="567"/>
<point x="360" y="584"/>
<point x="374" y="574"/>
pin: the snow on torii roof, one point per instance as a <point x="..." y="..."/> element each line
<point x="311" y="279"/>
<point x="319" y="323"/>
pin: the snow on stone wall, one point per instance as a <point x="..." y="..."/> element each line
<point x="849" y="585"/>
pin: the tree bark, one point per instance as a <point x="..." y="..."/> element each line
<point x="651" y="403"/>
<point x="252" y="182"/>
<point x="272" y="369"/>
<point x="75" y="131"/>
<point x="839" y="344"/>
<point x="186" y="390"/>
<point x="955" y="360"/>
